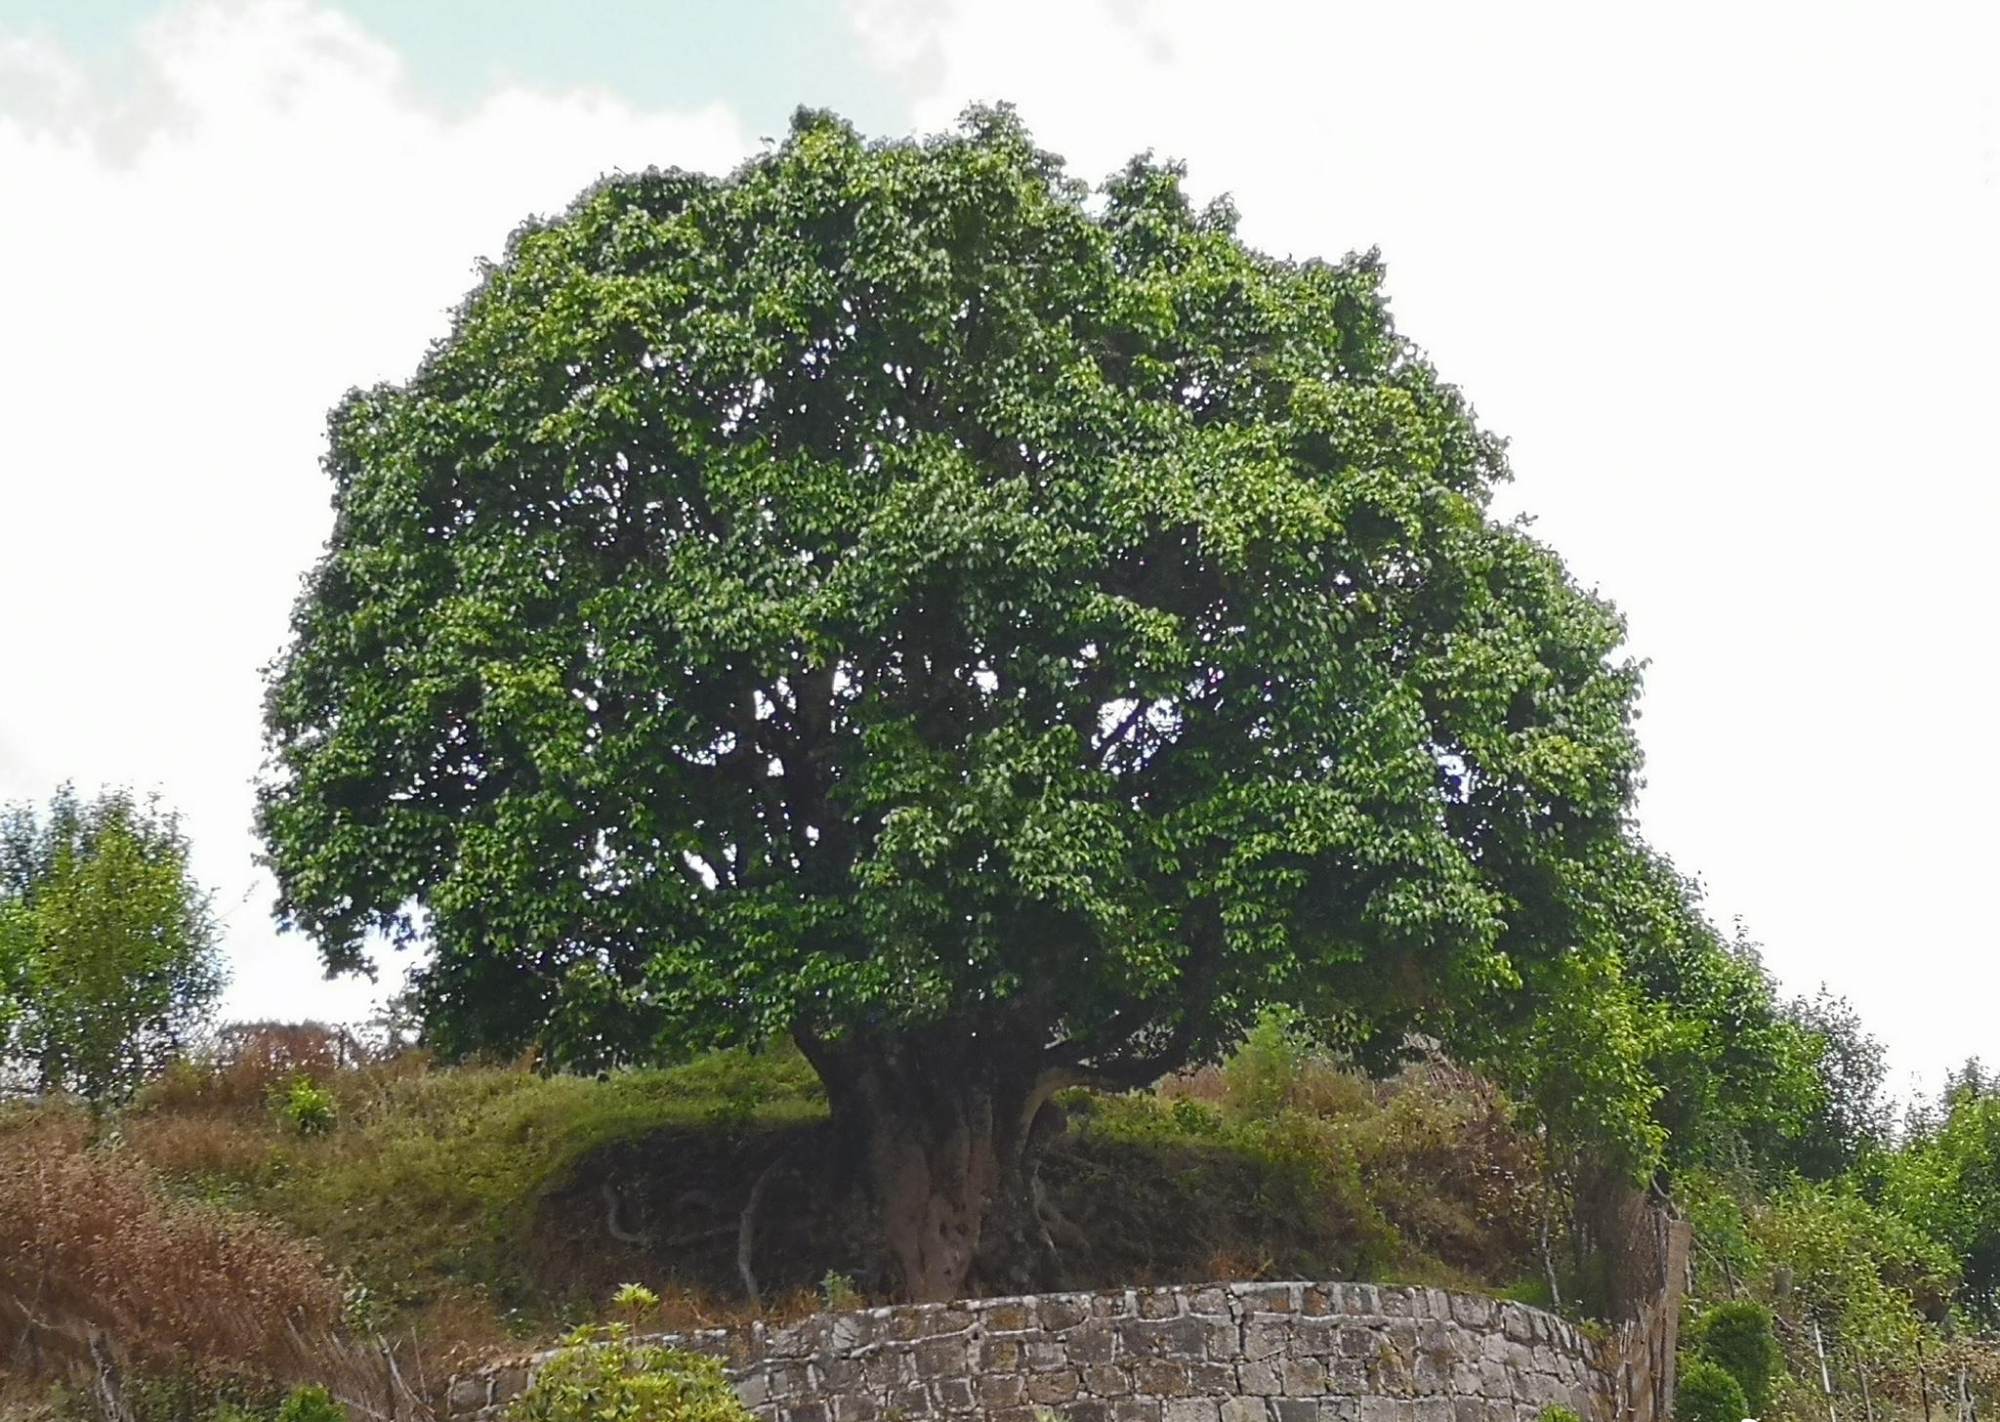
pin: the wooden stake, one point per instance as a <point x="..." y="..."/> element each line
<point x="1825" y="1378"/>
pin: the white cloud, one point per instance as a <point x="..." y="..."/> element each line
<point x="1725" y="274"/>
<point x="197" y="266"/>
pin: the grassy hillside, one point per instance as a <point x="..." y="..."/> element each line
<point x="282" y="1211"/>
<point x="472" y="1207"/>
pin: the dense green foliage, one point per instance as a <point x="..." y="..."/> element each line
<point x="997" y="633"/>
<point x="108" y="948"/>
<point x="1738" y="1337"/>
<point x="1705" y="1392"/>
<point x="602" y="1374"/>
<point x="1946" y="1183"/>
<point x="885" y="581"/>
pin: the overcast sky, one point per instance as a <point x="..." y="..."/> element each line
<point x="1724" y="273"/>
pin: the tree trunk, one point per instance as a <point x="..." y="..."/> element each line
<point x="943" y="1137"/>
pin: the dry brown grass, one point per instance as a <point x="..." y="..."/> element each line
<point x="97" y="1259"/>
<point x="247" y="1062"/>
<point x="197" y="1146"/>
<point x="89" y="1242"/>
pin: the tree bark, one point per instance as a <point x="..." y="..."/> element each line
<point x="943" y="1135"/>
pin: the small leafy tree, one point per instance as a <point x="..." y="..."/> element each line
<point x="1851" y="1117"/>
<point x="108" y="940"/>
<point x="1001" y="636"/>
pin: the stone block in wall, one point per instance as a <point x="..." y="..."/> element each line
<point x="1106" y="1380"/>
<point x="885" y="1368"/>
<point x="994" y="1390"/>
<point x="1060" y="1311"/>
<point x="1165" y="1337"/>
<point x="1317" y="1336"/>
<point x="954" y="1395"/>
<point x="1266" y="1336"/>
<point x="910" y="1401"/>
<point x="1431" y="1409"/>
<point x="1351" y="1376"/>
<point x="1302" y="1377"/>
<point x="948" y="1320"/>
<point x="1211" y="1301"/>
<point x="1091" y="1342"/>
<point x="1395" y="1302"/>
<point x="1041" y="1354"/>
<point x="1191" y="1409"/>
<point x="1160" y="1377"/>
<point x="1259" y="1379"/>
<point x="1211" y="1379"/>
<point x="1161" y="1303"/>
<point x="1472" y="1311"/>
<point x="950" y="1356"/>
<point x="851" y="1332"/>
<point x="796" y="1340"/>
<point x="855" y="1407"/>
<point x="788" y="1381"/>
<point x="1225" y="1338"/>
<point x="1062" y="1385"/>
<point x="1016" y="1315"/>
<point x="1383" y="1409"/>
<point x="1362" y="1299"/>
<point x="1431" y="1371"/>
<point x="836" y="1374"/>
<point x="1269" y="1298"/>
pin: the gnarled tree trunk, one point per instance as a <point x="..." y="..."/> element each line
<point x="943" y="1132"/>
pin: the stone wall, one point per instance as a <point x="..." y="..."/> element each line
<point x="1214" y="1353"/>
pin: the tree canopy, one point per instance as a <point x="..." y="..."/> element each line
<point x="108" y="948"/>
<point x="998" y="632"/>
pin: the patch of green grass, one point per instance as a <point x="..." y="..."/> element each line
<point x="432" y="1178"/>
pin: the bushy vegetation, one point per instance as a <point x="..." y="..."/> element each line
<point x="603" y="1374"/>
<point x="469" y="1203"/>
<point x="109" y="953"/>
<point x="1737" y="1336"/>
<point x="1706" y="1392"/>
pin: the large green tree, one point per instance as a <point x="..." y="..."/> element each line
<point x="1000" y="634"/>
<point x="108" y="948"/>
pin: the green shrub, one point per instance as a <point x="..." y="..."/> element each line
<point x="1260" y="1073"/>
<point x="602" y="1375"/>
<point x="1706" y="1393"/>
<point x="311" y="1403"/>
<point x="839" y="1292"/>
<point x="1738" y="1338"/>
<point x="1556" y="1412"/>
<point x="306" y="1108"/>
